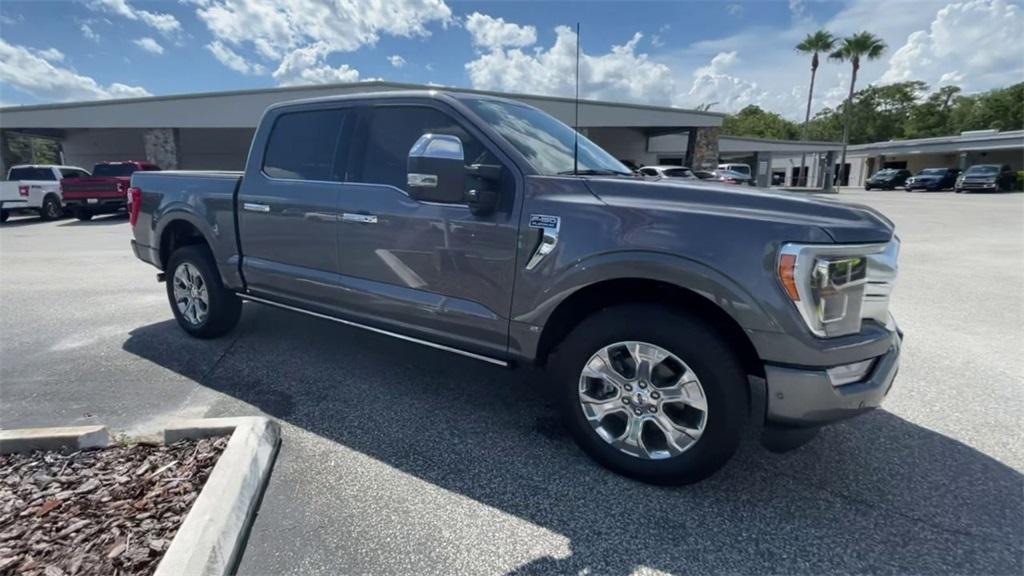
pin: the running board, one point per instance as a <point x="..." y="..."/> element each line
<point x="427" y="343"/>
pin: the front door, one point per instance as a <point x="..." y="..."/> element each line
<point x="431" y="269"/>
<point x="288" y="208"/>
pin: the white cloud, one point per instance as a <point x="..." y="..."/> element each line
<point x="51" y="55"/>
<point x="734" y="10"/>
<point x="307" y="66"/>
<point x="489" y="32"/>
<point x="396" y="61"/>
<point x="164" y="23"/>
<point x="713" y="86"/>
<point x="149" y="45"/>
<point x="89" y="33"/>
<point x="31" y="74"/>
<point x="621" y="74"/>
<point x="233" y="60"/>
<point x="298" y="33"/>
<point x="976" y="43"/>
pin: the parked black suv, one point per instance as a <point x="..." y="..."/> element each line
<point x="887" y="179"/>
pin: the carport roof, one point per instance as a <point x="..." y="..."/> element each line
<point x="748" y="145"/>
<point x="963" y="142"/>
<point x="243" y="108"/>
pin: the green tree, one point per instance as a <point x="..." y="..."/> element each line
<point x="934" y="115"/>
<point x="852" y="49"/>
<point x="758" y="123"/>
<point x="821" y="41"/>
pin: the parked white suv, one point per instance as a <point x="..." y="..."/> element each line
<point x="36" y="187"/>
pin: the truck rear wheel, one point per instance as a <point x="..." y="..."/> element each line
<point x="50" y="210"/>
<point x="83" y="214"/>
<point x="652" y="393"/>
<point x="4" y="215"/>
<point x="201" y="304"/>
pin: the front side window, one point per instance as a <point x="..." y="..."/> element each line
<point x="30" y="173"/>
<point x="678" y="173"/>
<point x="546" y="143"/>
<point x="304" y="146"/>
<point x="383" y="139"/>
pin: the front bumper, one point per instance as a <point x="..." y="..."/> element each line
<point x="800" y="397"/>
<point x="924" y="186"/>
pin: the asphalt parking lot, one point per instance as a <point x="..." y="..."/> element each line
<point x="402" y="459"/>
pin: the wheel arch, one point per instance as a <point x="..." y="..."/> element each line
<point x="632" y="290"/>
<point x="178" y="230"/>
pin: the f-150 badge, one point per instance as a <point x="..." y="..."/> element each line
<point x="549" y="226"/>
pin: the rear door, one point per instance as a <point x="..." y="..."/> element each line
<point x="288" y="206"/>
<point x="428" y="268"/>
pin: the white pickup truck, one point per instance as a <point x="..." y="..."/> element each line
<point x="36" y="187"/>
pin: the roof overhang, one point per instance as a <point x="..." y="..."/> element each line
<point x="1011" y="140"/>
<point x="744" y="145"/>
<point x="243" y="109"/>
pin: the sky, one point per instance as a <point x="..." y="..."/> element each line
<point x="721" y="54"/>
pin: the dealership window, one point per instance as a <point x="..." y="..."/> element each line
<point x="304" y="145"/>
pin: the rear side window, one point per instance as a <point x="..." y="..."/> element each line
<point x="304" y="146"/>
<point x="382" y="142"/>
<point x="29" y="173"/>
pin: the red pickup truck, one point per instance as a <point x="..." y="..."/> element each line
<point x="105" y="192"/>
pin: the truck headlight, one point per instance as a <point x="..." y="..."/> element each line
<point x="836" y="287"/>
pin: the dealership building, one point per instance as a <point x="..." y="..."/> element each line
<point x="213" y="130"/>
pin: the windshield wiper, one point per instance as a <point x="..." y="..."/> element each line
<point x="595" y="172"/>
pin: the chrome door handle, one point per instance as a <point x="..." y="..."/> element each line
<point x="255" y="207"/>
<point x="361" y="218"/>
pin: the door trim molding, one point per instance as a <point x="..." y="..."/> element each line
<point x="428" y="343"/>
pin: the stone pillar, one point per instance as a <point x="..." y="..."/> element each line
<point x="162" y="147"/>
<point x="705" y="147"/>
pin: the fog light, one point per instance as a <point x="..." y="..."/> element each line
<point x="850" y="373"/>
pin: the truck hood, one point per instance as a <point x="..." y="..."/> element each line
<point x="842" y="221"/>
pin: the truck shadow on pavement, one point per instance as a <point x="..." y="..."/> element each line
<point x="878" y="494"/>
<point x="104" y="220"/>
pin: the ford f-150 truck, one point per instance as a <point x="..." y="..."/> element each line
<point x="36" y="187"/>
<point x="670" y="315"/>
<point x="105" y="192"/>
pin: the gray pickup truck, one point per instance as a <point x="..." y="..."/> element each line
<point x="671" y="314"/>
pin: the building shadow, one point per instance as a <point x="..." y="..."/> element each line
<point x="877" y="494"/>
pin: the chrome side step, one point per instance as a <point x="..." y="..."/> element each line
<point x="428" y="343"/>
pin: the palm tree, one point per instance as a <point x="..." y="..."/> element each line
<point x="853" y="48"/>
<point x="814" y="44"/>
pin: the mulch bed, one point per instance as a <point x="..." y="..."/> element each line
<point x="109" y="511"/>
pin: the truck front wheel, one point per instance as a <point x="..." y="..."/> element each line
<point x="83" y="214"/>
<point x="652" y="393"/>
<point x="201" y="304"/>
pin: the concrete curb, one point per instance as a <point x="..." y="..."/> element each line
<point x="211" y="538"/>
<point x="70" y="439"/>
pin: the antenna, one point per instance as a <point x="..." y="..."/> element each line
<point x="576" y="122"/>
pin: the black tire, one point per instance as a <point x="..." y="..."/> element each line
<point x="4" y="215"/>
<point x="50" y="210"/>
<point x="83" y="214"/>
<point x="224" y="306"/>
<point x="867" y="188"/>
<point x="698" y="345"/>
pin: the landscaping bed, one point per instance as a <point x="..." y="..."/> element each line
<point x="108" y="511"/>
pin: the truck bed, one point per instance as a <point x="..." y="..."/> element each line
<point x="205" y="198"/>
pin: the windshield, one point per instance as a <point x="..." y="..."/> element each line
<point x="545" y="142"/>
<point x="108" y="170"/>
<point x="983" y="169"/>
<point x="885" y="172"/>
<point x="932" y="172"/>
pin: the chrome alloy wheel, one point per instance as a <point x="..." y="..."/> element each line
<point x="643" y="400"/>
<point x="190" y="294"/>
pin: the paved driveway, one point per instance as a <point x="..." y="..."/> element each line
<point x="401" y="459"/>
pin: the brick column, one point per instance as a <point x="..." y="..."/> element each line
<point x="162" y="147"/>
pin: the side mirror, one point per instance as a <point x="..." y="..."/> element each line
<point x="436" y="169"/>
